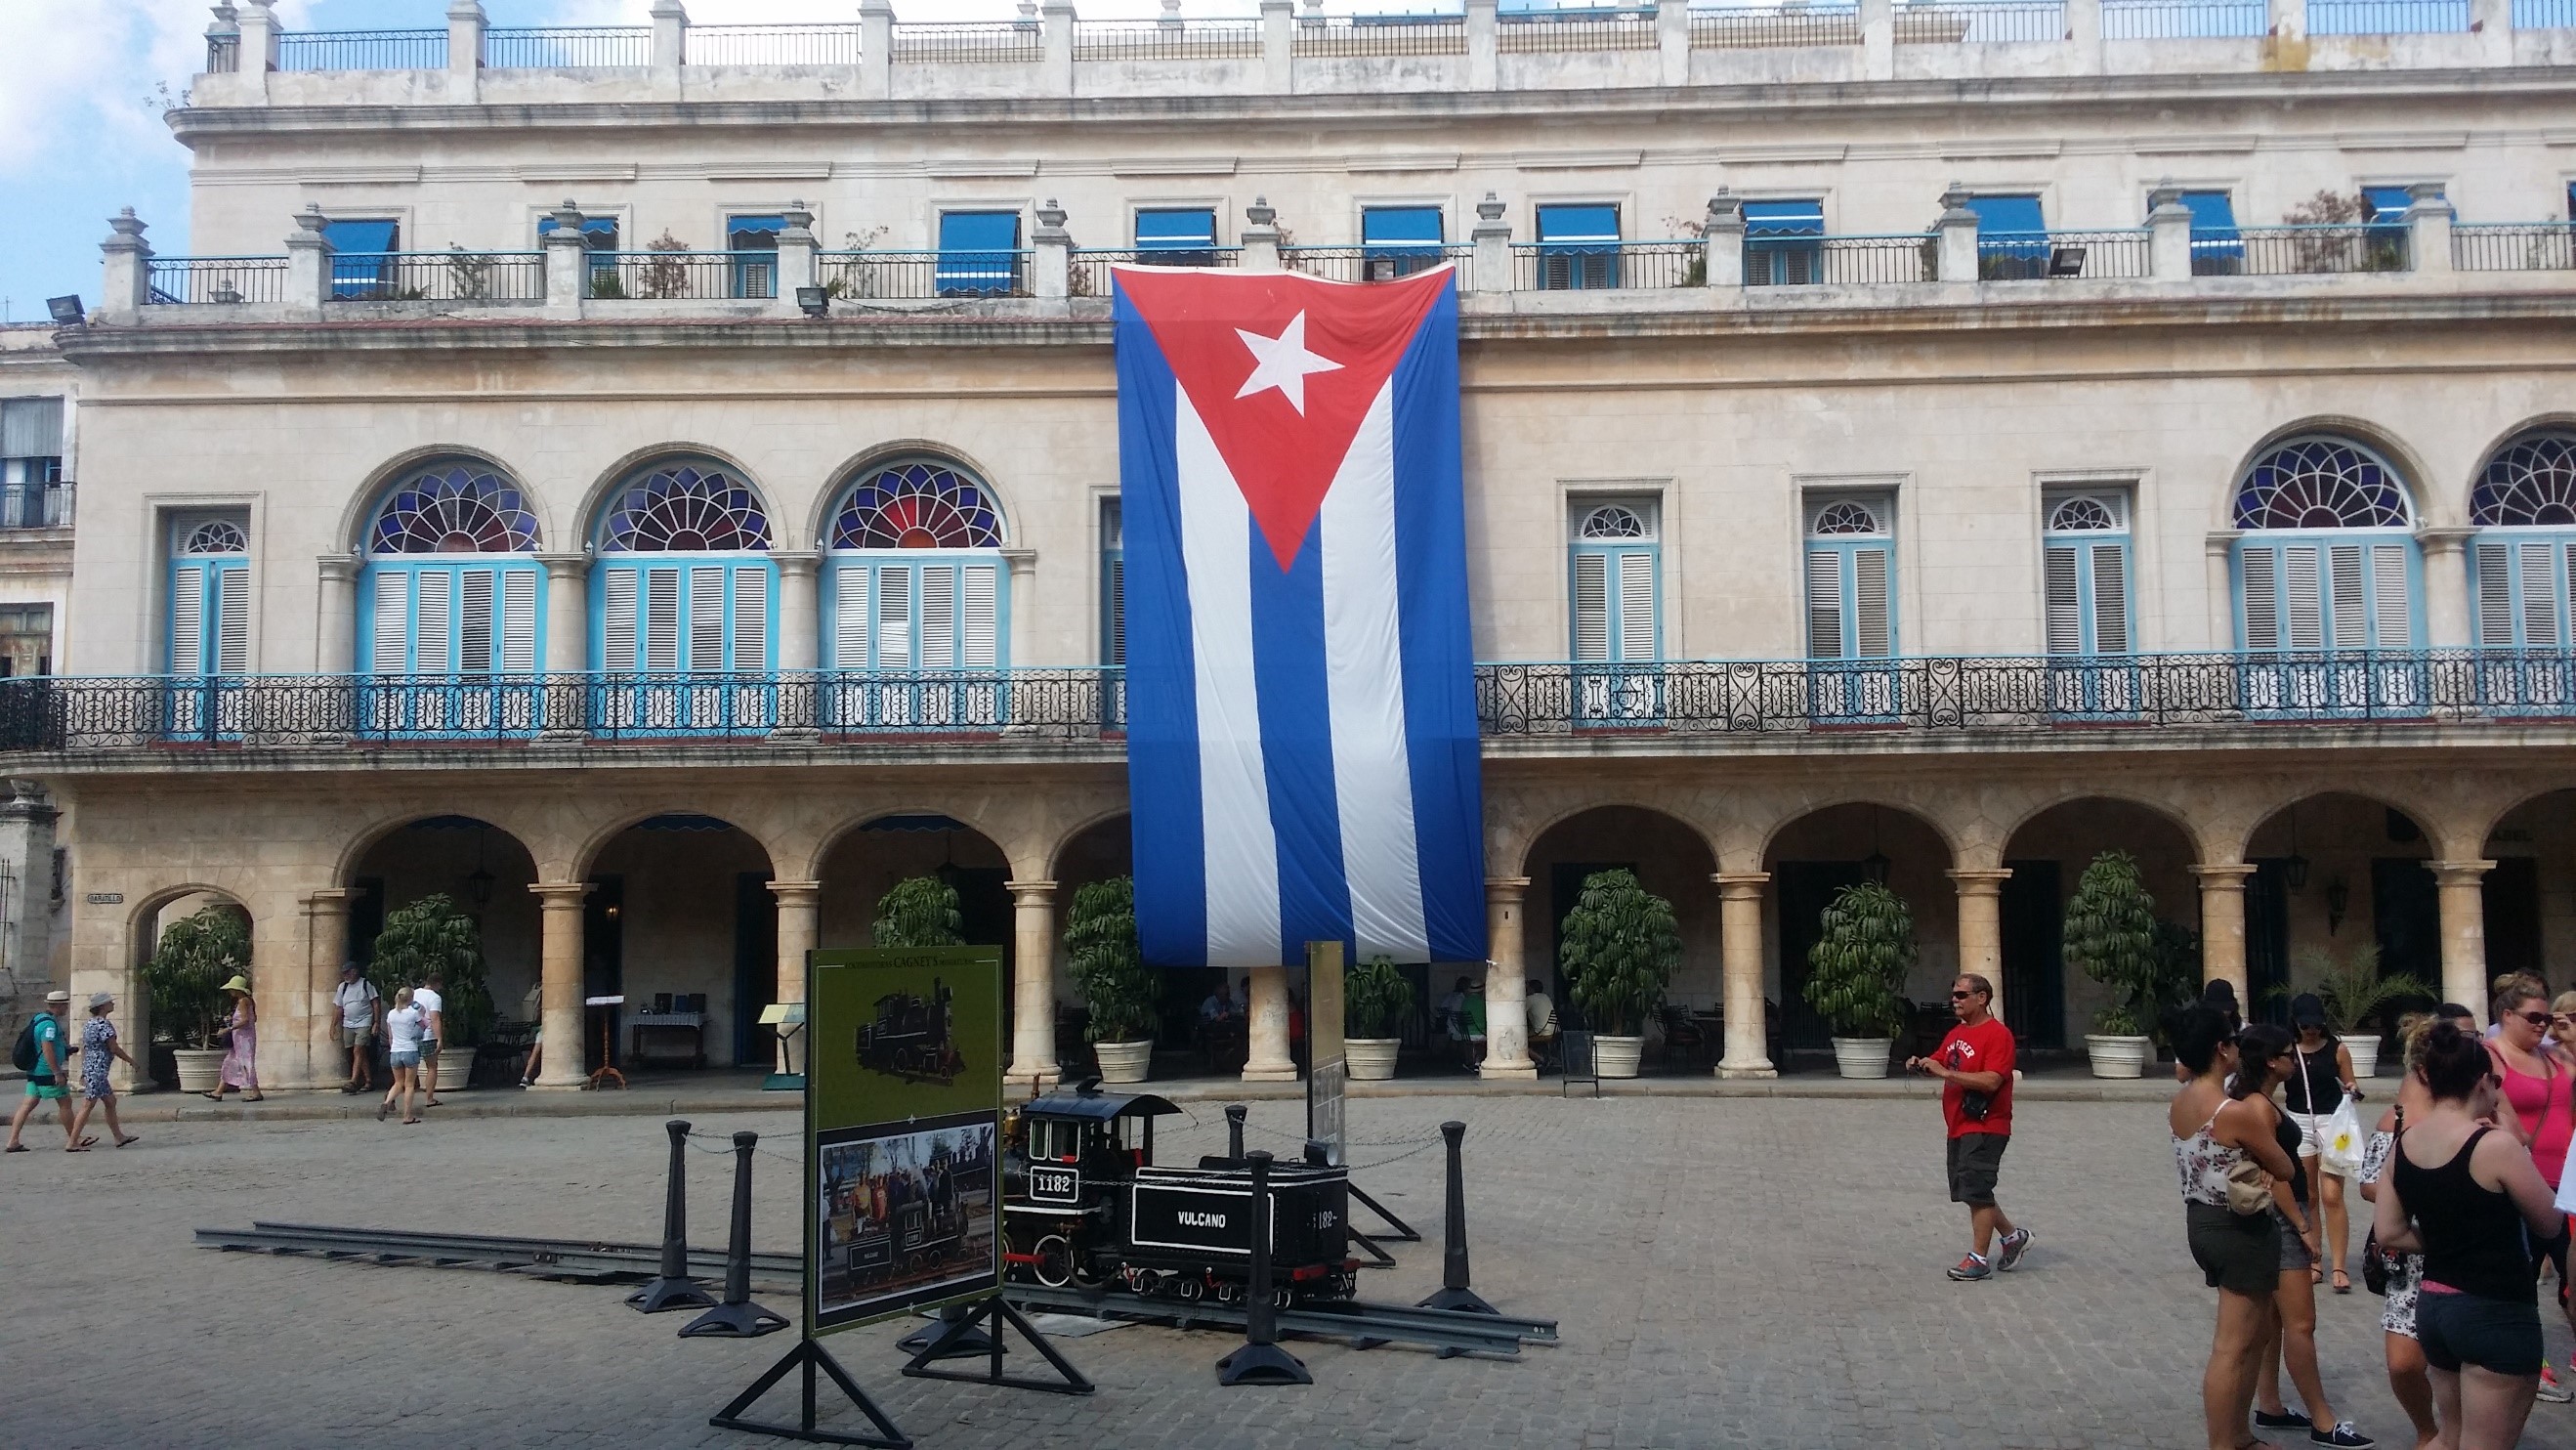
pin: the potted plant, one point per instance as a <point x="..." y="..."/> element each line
<point x="1856" y="974"/>
<point x="1375" y="1001"/>
<point x="1618" y="949"/>
<point x="1108" y="966"/>
<point x="2352" y="992"/>
<point x="2110" y="935"/>
<point x="431" y="937"/>
<point x="919" y="911"/>
<point x="183" y="983"/>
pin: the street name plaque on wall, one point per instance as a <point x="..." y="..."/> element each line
<point x="106" y="898"/>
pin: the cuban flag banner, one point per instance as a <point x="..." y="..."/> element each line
<point x="1301" y="740"/>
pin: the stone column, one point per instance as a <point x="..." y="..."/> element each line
<point x="1021" y="644"/>
<point x="2286" y="21"/>
<point x="876" y="50"/>
<point x="1877" y="40"/>
<point x="1055" y="21"/>
<point x="2446" y="587"/>
<point x="567" y="254"/>
<point x="795" y="258"/>
<point x="1033" y="1060"/>
<point x="567" y="645"/>
<point x="2491" y="21"/>
<point x="27" y="839"/>
<point x="560" y="982"/>
<point x="1260" y="236"/>
<point x="800" y="618"/>
<point x="2216" y="548"/>
<point x="1279" y="46"/>
<point x="2428" y="228"/>
<point x="2084" y="32"/>
<point x="1956" y="258"/>
<point x="2222" y="925"/>
<point x="1722" y="241"/>
<point x="1748" y="1047"/>
<point x="1981" y="925"/>
<point x="1506" y="981"/>
<point x="281" y="981"/>
<point x="2461" y="888"/>
<point x="1268" y="1059"/>
<point x="308" y="260"/>
<point x="335" y="633"/>
<point x="326" y="935"/>
<point x="464" y="51"/>
<point x="670" y="38"/>
<point x="1481" y="45"/>
<point x="259" y="32"/>
<point x="1672" y="41"/>
<point x="1052" y="249"/>
<point x="125" y="268"/>
<point x="2168" y="235"/>
<point x="1493" y="239"/>
<point x="800" y="930"/>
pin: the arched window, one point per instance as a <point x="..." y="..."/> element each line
<point x="1851" y="579"/>
<point x="2328" y="560"/>
<point x="451" y="584"/>
<point x="209" y="624"/>
<point x="686" y="584"/>
<point x="2084" y="559"/>
<point x="1617" y="561"/>
<point x="918" y="584"/>
<point x="2524" y="564"/>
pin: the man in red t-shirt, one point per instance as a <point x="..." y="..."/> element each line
<point x="1975" y="1065"/>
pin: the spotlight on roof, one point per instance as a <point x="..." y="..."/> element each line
<point x="67" y="310"/>
<point x="812" y="301"/>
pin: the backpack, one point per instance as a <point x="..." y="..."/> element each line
<point x="24" y="1055"/>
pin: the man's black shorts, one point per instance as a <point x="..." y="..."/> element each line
<point x="1975" y="1159"/>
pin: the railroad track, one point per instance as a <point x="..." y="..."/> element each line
<point x="1355" y="1320"/>
<point x="597" y="1261"/>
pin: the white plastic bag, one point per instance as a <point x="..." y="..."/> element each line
<point x="2342" y="1143"/>
<point x="2567" y="1186"/>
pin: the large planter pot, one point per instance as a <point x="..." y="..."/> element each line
<point x="1370" y="1059"/>
<point x="1616" y="1056"/>
<point x="2120" y="1056"/>
<point x="2365" y="1055"/>
<point x="1124" y="1061"/>
<point x="455" y="1068"/>
<point x="199" y="1068"/>
<point x="1861" y="1056"/>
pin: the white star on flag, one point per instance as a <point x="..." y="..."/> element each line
<point x="1282" y="362"/>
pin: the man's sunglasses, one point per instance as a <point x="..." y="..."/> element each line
<point x="1963" y="996"/>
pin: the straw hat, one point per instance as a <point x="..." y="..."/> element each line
<point x="239" y="983"/>
<point x="101" y="999"/>
<point x="58" y="999"/>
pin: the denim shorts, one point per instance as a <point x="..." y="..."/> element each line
<point x="2498" y="1335"/>
<point x="406" y="1059"/>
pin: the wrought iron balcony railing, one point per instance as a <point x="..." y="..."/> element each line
<point x="1930" y="695"/>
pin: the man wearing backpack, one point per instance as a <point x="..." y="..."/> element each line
<point x="40" y="1052"/>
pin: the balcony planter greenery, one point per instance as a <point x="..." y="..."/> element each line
<point x="1856" y="975"/>
<point x="1108" y="967"/>
<point x="2353" y="992"/>
<point x="2110" y="935"/>
<point x="1618" y="949"/>
<point x="430" y="936"/>
<point x="1376" y="999"/>
<point x="183" y="983"/>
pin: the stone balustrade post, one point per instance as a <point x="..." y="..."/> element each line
<point x="125" y="268"/>
<point x="1493" y="241"/>
<point x="1267" y="1058"/>
<point x="1748" y="1044"/>
<point x="1261" y="236"/>
<point x="1033" y="934"/>
<point x="559" y="982"/>
<point x="876" y="50"/>
<point x="1981" y="926"/>
<point x="259" y="33"/>
<point x="2428" y="228"/>
<point x="1482" y="45"/>
<point x="1055" y="19"/>
<point x="567" y="253"/>
<point x="2491" y="21"/>
<point x="1673" y="41"/>
<point x="1877" y="40"/>
<point x="800" y="930"/>
<point x="1956" y="259"/>
<point x="1506" y="981"/>
<point x="1722" y="241"/>
<point x="1052" y="253"/>
<point x="2287" y="23"/>
<point x="465" y="26"/>
<point x="2222" y="925"/>
<point x="308" y="260"/>
<point x="795" y="256"/>
<point x="2460" y="890"/>
<point x="2168" y="235"/>
<point x="335" y="634"/>
<point x="1278" y="47"/>
<point x="2084" y="34"/>
<point x="670" y="39"/>
<point x="223" y="34"/>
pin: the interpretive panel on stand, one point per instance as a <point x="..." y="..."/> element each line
<point x="903" y="1108"/>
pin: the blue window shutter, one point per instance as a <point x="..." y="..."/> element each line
<point x="753" y="233"/>
<point x="2006" y="214"/>
<point x="978" y="253"/>
<point x="2211" y="211"/>
<point x="1784" y="218"/>
<point x="1184" y="228"/>
<point x="1400" y="224"/>
<point x="1578" y="247"/>
<point x="362" y="236"/>
<point x="2217" y="247"/>
<point x="358" y="264"/>
<point x="2387" y="203"/>
<point x="1778" y="251"/>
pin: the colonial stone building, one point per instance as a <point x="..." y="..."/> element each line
<point x="659" y="485"/>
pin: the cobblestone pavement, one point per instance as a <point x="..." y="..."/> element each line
<point x="1761" y="1273"/>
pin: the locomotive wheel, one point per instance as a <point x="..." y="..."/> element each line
<point x="1054" y="1267"/>
<point x="1189" y="1290"/>
<point x="1282" y="1296"/>
<point x="1229" y="1294"/>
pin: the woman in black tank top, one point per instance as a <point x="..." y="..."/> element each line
<point x="2468" y="1199"/>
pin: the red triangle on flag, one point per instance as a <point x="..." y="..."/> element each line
<point x="1281" y="367"/>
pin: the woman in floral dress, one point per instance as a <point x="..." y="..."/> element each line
<point x="241" y="1062"/>
<point x="99" y="1050"/>
<point x="2406" y="1374"/>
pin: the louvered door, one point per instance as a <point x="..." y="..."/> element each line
<point x="917" y="641"/>
<point x="686" y="646"/>
<point x="2525" y="594"/>
<point x="1618" y="633"/>
<point x="452" y="648"/>
<point x="1851" y="631"/>
<point x="2330" y="625"/>
<point x="2086" y="606"/>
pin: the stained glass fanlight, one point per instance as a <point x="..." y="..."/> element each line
<point x="2530" y="483"/>
<point x="216" y="536"/>
<point x="917" y="506"/>
<point x="2320" y="483"/>
<point x="457" y="509"/>
<point x="685" y="509"/>
<point x="1846" y="517"/>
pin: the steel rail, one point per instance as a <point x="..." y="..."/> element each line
<point x="1475" y="1333"/>
<point x="597" y="1258"/>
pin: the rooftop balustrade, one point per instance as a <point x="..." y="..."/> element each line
<point x="1999" y="696"/>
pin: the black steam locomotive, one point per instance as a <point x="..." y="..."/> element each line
<point x="1084" y="1204"/>
<point x="910" y="1038"/>
<point x="913" y="1235"/>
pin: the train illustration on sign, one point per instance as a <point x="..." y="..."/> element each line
<point x="1084" y="1204"/>
<point x="911" y="1037"/>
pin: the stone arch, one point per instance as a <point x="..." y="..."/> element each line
<point x="2428" y="506"/>
<point x="2264" y="812"/>
<point x="2048" y="852"/>
<point x="2335" y="871"/>
<point x="1073" y="836"/>
<point x="1951" y="837"/>
<point x="376" y="832"/>
<point x="838" y="483"/>
<point x="595" y="500"/>
<point x="1517" y="844"/>
<point x="359" y="510"/>
<point x="2560" y="423"/>
<point x="2163" y="810"/>
<point x="1824" y="846"/>
<point x="1672" y="857"/>
<point x="585" y="857"/>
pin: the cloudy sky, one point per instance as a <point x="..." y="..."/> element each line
<point x="83" y="84"/>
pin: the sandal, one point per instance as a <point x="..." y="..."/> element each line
<point x="85" y="1144"/>
<point x="14" y="1148"/>
<point x="2316" y="1275"/>
<point x="2342" y="1282"/>
<point x="75" y="1150"/>
<point x="212" y="1097"/>
<point x="408" y="1121"/>
<point x="129" y="1138"/>
<point x="255" y="1097"/>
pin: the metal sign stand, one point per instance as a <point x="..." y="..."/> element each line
<point x="995" y="1311"/>
<point x="807" y="1355"/>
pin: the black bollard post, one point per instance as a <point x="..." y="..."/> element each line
<point x="1261" y="1361"/>
<point x="737" y="1317"/>
<point x="674" y="1289"/>
<point x="1234" y="1116"/>
<point x="1454" y="1293"/>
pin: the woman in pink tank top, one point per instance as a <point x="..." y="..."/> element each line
<point x="2540" y="1086"/>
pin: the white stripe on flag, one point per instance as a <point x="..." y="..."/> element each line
<point x="1234" y="788"/>
<point x="1364" y="683"/>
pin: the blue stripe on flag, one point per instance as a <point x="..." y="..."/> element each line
<point x="1297" y="741"/>
<point x="1440" y="727"/>
<point x="1165" y="815"/>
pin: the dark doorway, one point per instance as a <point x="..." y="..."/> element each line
<point x="1564" y="889"/>
<point x="2267" y="941"/>
<point x="755" y="966"/>
<point x="2513" y="916"/>
<point x="366" y="919"/>
<point x="2034" y="965"/>
<point x="2406" y="917"/>
<point x="1806" y="889"/>
<point x="603" y="959"/>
